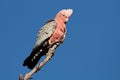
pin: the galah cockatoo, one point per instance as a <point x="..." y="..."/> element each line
<point x="52" y="32"/>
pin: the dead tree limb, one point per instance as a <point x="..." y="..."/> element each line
<point x="39" y="66"/>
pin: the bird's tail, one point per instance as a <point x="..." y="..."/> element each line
<point x="33" y="59"/>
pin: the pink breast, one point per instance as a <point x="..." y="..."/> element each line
<point x="58" y="34"/>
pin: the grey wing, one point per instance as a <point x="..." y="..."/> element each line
<point x="45" y="32"/>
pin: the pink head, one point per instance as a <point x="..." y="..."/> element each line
<point x="64" y="15"/>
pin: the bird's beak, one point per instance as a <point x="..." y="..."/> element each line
<point x="67" y="19"/>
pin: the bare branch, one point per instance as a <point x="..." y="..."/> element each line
<point x="39" y="66"/>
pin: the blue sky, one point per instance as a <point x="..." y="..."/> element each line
<point x="91" y="50"/>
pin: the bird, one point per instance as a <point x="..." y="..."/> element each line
<point x="51" y="32"/>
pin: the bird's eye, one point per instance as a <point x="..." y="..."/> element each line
<point x="63" y="15"/>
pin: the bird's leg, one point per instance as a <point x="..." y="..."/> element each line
<point x="57" y="42"/>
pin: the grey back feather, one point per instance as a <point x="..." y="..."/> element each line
<point x="45" y="32"/>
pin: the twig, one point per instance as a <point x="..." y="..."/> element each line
<point x="39" y="66"/>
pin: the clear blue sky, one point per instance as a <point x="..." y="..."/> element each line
<point x="91" y="50"/>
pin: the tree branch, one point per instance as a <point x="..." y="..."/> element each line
<point x="39" y="66"/>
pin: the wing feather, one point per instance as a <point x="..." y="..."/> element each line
<point x="45" y="32"/>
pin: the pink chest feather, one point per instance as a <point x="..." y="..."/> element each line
<point x="58" y="33"/>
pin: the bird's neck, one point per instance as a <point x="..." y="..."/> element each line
<point x="60" y="22"/>
<point x="61" y="25"/>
